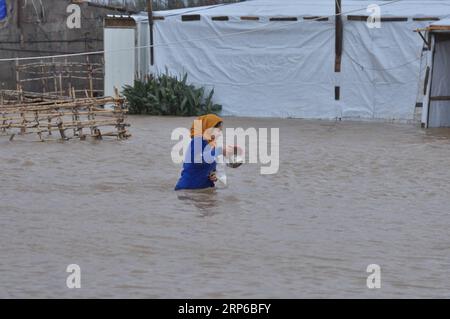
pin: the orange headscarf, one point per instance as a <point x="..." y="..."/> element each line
<point x="208" y="121"/>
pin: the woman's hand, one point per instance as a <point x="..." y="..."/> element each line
<point x="213" y="177"/>
<point x="231" y="150"/>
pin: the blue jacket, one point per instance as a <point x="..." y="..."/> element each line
<point x="199" y="163"/>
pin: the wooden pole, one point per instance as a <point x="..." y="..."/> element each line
<point x="55" y="81"/>
<point x="339" y="36"/>
<point x="90" y="77"/>
<point x="17" y="75"/>
<point x="150" y="25"/>
<point x="44" y="81"/>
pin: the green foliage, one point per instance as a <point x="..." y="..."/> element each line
<point x="169" y="95"/>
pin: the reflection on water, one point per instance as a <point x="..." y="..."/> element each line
<point x="438" y="133"/>
<point x="347" y="195"/>
<point x="204" y="200"/>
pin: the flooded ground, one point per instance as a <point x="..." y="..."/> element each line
<point x="347" y="195"/>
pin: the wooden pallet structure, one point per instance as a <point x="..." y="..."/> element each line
<point x="51" y="117"/>
<point x="61" y="77"/>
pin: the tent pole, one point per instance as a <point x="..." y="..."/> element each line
<point x="150" y="24"/>
<point x="433" y="55"/>
<point x="339" y="36"/>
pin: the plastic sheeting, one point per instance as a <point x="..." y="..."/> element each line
<point x="381" y="70"/>
<point x="286" y="69"/>
<point x="443" y="22"/>
<point x="300" y="8"/>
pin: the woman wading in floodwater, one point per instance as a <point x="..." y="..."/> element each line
<point x="199" y="167"/>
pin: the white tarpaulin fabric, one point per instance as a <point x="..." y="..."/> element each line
<point x="381" y="70"/>
<point x="443" y="22"/>
<point x="286" y="68"/>
<point x="284" y="72"/>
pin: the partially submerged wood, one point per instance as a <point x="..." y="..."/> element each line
<point x="41" y="114"/>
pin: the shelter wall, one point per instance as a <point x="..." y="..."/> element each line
<point x="286" y="68"/>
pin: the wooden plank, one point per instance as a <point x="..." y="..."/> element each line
<point x="439" y="28"/>
<point x="427" y="78"/>
<point x="190" y="17"/>
<point x="357" y="18"/>
<point x="363" y="18"/>
<point x="250" y="18"/>
<point x="440" y="98"/>
<point x="150" y="25"/>
<point x="220" y="18"/>
<point x="111" y="22"/>
<point x="426" y="19"/>
<point x="283" y="19"/>
<point x="394" y="19"/>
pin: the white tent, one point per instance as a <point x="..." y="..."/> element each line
<point x="277" y="58"/>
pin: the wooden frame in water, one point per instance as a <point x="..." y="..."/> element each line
<point x="44" y="115"/>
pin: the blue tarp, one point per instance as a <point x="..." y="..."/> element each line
<point x="3" y="12"/>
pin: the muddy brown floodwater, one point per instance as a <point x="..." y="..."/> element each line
<point x="347" y="195"/>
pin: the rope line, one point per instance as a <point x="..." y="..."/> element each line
<point x="187" y="40"/>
